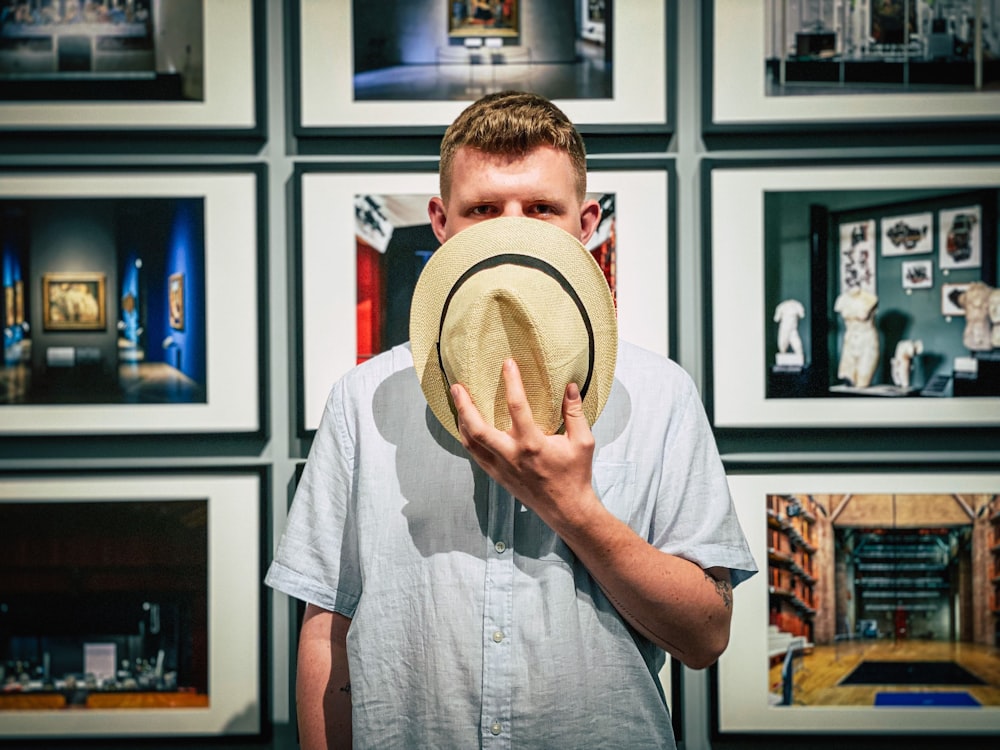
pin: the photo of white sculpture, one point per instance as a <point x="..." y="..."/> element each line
<point x="977" y="335"/>
<point x="901" y="364"/>
<point x="787" y="315"/>
<point x="860" y="351"/>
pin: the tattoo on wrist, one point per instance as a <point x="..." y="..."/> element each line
<point x="723" y="588"/>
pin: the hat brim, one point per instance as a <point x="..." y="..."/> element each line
<point x="531" y="238"/>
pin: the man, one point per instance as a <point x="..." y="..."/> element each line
<point x="515" y="589"/>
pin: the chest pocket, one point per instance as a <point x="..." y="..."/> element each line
<point x="614" y="484"/>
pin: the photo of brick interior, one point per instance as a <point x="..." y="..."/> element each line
<point x="879" y="599"/>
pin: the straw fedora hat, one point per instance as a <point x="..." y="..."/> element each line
<point x="521" y="288"/>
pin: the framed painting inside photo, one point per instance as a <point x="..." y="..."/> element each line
<point x="74" y="301"/>
<point x="175" y="300"/>
<point x="160" y="334"/>
<point x="857" y="256"/>
<point x="364" y="234"/>
<point x="912" y="234"/>
<point x="380" y="67"/>
<point x="872" y="612"/>
<point x="950" y="294"/>
<point x="960" y="244"/>
<point x="142" y="66"/>
<point x="151" y="564"/>
<point x="918" y="274"/>
<point x="482" y="19"/>
<point x="781" y="232"/>
<point x="787" y="65"/>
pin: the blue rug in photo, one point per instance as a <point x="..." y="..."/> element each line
<point x="927" y="700"/>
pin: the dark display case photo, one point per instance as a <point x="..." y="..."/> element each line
<point x="826" y="64"/>
<point x="114" y="590"/>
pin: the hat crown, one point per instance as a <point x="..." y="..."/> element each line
<point x="550" y="309"/>
<point x="525" y="314"/>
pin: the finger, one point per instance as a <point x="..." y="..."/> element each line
<point x="521" y="418"/>
<point x="574" y="419"/>
<point x="473" y="429"/>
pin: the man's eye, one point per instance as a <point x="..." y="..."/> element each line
<point x="544" y="209"/>
<point x="482" y="210"/>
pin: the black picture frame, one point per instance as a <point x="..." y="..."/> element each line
<point x="325" y="111"/>
<point x="138" y="225"/>
<point x="737" y="101"/>
<point x="768" y="689"/>
<point x="326" y="244"/>
<point x="114" y="108"/>
<point x="736" y="227"/>
<point x="191" y="545"/>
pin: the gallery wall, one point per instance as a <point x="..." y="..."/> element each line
<point x="264" y="280"/>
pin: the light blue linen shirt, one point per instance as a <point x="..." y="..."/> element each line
<point x="473" y="624"/>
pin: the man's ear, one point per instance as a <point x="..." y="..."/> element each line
<point x="438" y="215"/>
<point x="590" y="216"/>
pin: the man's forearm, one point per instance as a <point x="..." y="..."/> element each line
<point x="673" y="602"/>
<point x="323" y="682"/>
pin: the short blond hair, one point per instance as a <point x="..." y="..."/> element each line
<point x="512" y="123"/>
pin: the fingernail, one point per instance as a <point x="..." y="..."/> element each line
<point x="573" y="391"/>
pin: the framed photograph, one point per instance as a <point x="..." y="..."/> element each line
<point x="363" y="236"/>
<point x="151" y="564"/>
<point x="874" y="609"/>
<point x="912" y="234"/>
<point x="777" y="232"/>
<point x="142" y="66"/>
<point x="380" y="67"/>
<point x="950" y="292"/>
<point x="160" y="330"/>
<point x="791" y="65"/>
<point x="175" y="300"/>
<point x="918" y="274"/>
<point x="74" y="301"/>
<point x="960" y="245"/>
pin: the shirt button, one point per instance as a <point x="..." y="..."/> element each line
<point x="500" y="547"/>
<point x="495" y="727"/>
<point x="498" y="636"/>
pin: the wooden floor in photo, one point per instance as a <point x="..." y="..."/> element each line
<point x="817" y="673"/>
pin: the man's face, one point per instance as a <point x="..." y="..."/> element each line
<point x="540" y="185"/>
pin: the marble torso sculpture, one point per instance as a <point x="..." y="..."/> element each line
<point x="974" y="300"/>
<point x="860" y="354"/>
<point x="787" y="315"/>
<point x="902" y="361"/>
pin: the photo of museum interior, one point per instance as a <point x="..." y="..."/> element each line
<point x="561" y="49"/>
<point x="837" y="47"/>
<point x="101" y="50"/>
<point x="104" y="301"/>
<point x="879" y="598"/>
<point x="135" y="576"/>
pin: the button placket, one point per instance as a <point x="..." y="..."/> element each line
<point x="498" y="607"/>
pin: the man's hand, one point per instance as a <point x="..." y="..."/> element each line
<point x="670" y="600"/>
<point x="548" y="473"/>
